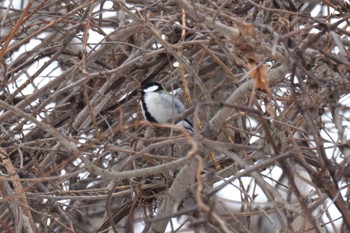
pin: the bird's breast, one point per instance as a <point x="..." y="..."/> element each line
<point x="161" y="106"/>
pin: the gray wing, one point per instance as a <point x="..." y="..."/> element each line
<point x="166" y="105"/>
<point x="170" y="100"/>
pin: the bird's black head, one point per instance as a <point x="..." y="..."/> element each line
<point x="152" y="87"/>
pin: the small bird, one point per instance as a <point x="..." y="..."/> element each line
<point x="159" y="106"/>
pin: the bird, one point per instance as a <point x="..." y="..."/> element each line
<point x="159" y="106"/>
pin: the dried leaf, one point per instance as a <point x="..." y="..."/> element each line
<point x="258" y="72"/>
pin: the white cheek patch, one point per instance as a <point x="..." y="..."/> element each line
<point x="151" y="89"/>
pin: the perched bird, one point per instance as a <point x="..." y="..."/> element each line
<point x="159" y="106"/>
